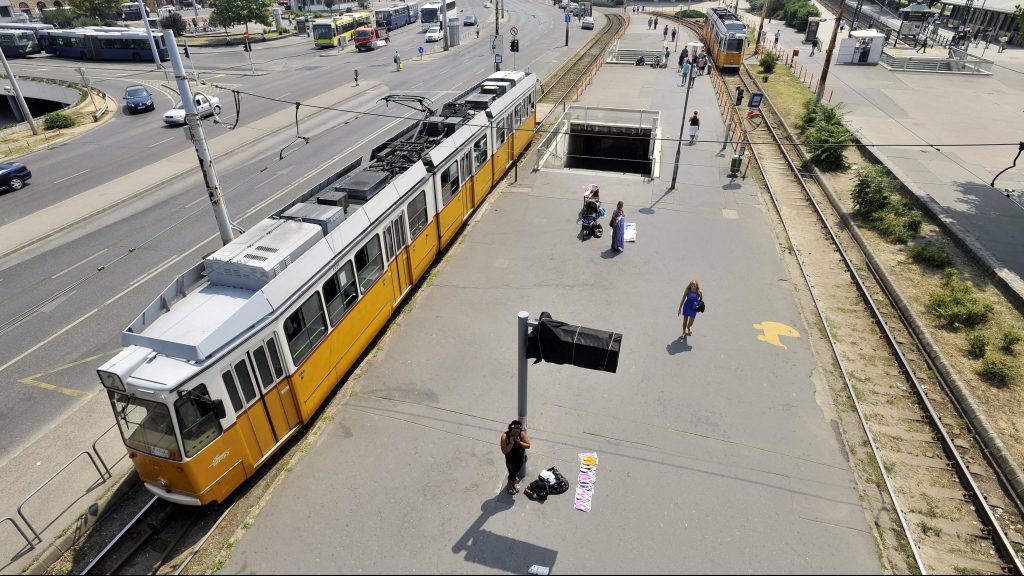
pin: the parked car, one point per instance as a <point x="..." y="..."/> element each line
<point x="469" y="21"/>
<point x="138" y="99"/>
<point x="588" y="23"/>
<point x="13" y="176"/>
<point x="434" y="34"/>
<point x="205" y="105"/>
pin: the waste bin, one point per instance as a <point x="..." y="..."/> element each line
<point x="735" y="164"/>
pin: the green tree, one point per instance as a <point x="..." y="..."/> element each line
<point x="1018" y="13"/>
<point x="231" y="12"/>
<point x="330" y="5"/>
<point x="103" y="10"/>
<point x="175" y="22"/>
<point x="59" y="18"/>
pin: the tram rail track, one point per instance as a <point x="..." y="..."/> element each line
<point x="947" y="492"/>
<point x="570" y="75"/>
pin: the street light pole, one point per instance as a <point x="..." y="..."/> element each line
<point x="760" y="27"/>
<point x="17" y="95"/>
<point x="682" y="129"/>
<point x="149" y="34"/>
<point x="828" y="53"/>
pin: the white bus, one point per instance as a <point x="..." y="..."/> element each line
<point x="430" y="14"/>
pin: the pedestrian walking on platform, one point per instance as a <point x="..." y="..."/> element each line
<point x="650" y="22"/>
<point x="686" y="73"/>
<point x="814" y="45"/>
<point x="398" y="61"/>
<point x="692" y="298"/>
<point x="674" y="32"/>
<point x="1002" y="43"/>
<point x="694" y="127"/>
<point x="702" y="63"/>
<point x="778" y="34"/>
<point x="682" y="58"/>
<point x="842" y="24"/>
<point x="924" y="45"/>
<point x="514" y="443"/>
<point x="667" y="53"/>
<point x="664" y="34"/>
<point x="618" y="224"/>
<point x="655" y="22"/>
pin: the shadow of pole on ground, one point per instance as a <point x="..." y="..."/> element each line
<point x="496" y="551"/>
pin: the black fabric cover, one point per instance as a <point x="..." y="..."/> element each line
<point x="560" y="343"/>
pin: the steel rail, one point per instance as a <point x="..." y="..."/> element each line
<point x="103" y="553"/>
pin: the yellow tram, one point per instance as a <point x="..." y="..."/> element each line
<point x="239" y="352"/>
<point x="725" y="36"/>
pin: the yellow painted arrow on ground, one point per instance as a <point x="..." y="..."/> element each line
<point x="772" y="331"/>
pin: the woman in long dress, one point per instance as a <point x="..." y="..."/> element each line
<point x="618" y="222"/>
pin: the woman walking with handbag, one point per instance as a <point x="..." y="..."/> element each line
<point x="688" y="306"/>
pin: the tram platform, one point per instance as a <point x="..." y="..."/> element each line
<point x="716" y="453"/>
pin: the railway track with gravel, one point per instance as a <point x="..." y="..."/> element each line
<point x="568" y="78"/>
<point x="952" y="504"/>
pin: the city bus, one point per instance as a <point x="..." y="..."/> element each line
<point x="102" y="44"/>
<point x="430" y="14"/>
<point x="338" y="30"/>
<point x="131" y="11"/>
<point x="393" y="16"/>
<point x="18" y="43"/>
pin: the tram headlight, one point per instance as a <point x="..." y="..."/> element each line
<point x="111" y="380"/>
<point x="163" y="483"/>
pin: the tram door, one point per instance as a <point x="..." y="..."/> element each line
<point x="395" y="237"/>
<point x="279" y="400"/>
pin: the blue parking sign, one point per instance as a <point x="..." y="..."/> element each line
<point x="420" y="49"/>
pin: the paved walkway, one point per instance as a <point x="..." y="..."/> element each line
<point x="944" y="135"/>
<point x="714" y="454"/>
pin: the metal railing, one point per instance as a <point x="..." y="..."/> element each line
<point x="102" y="479"/>
<point x="959" y="62"/>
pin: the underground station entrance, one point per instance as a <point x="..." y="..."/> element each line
<point x="603" y="139"/>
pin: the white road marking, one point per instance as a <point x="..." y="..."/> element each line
<point x="160" y="142"/>
<point x="70" y="177"/>
<point x="283" y="95"/>
<point x="194" y="202"/>
<point x="79" y="264"/>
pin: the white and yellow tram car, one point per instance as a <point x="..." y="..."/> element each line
<point x="725" y="36"/>
<point x="240" y="351"/>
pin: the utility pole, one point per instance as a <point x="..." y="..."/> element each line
<point x="497" y="32"/>
<point x="444" y="22"/>
<point x="17" y="95"/>
<point x="682" y="130"/>
<point x="149" y="33"/>
<point x="567" y="17"/>
<point x="195" y="133"/>
<point x="828" y="53"/>
<point x="760" y="27"/>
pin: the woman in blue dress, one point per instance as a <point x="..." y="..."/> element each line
<point x="688" y="306"/>
<point x="618" y="222"/>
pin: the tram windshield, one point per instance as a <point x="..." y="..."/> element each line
<point x="197" y="418"/>
<point x="145" y="425"/>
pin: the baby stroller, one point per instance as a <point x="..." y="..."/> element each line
<point x="592" y="211"/>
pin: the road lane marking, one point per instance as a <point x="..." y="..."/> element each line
<point x="170" y="261"/>
<point x="70" y="177"/>
<point x="161" y="142"/>
<point x="31" y="380"/>
<point x="79" y="264"/>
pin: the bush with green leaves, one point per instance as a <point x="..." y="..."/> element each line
<point x="768" y="62"/>
<point x="796" y="13"/>
<point x="692" y="14"/>
<point x="58" y="120"/>
<point x="873" y="189"/>
<point x="977" y="344"/>
<point x="775" y="7"/>
<point x="999" y="371"/>
<point x="957" y="304"/>
<point x="826" y="145"/>
<point x="898" y="222"/>
<point x="1011" y="338"/>
<point x="820" y="113"/>
<point x="175" y="22"/>
<point x="931" y="254"/>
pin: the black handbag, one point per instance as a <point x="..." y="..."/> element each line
<point x="700" y="305"/>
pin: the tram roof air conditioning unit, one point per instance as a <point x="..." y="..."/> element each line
<point x="325" y="216"/>
<point x="362" y="185"/>
<point x="258" y="256"/>
<point x="479" y="101"/>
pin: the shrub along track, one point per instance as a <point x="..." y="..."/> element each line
<point x="949" y="499"/>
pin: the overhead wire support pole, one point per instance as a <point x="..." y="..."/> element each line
<point x="444" y="23"/>
<point x="760" y="27"/>
<point x="523" y="324"/>
<point x="18" y="96"/>
<point x="828" y="53"/>
<point x="149" y="34"/>
<point x="682" y="129"/>
<point x="198" y="138"/>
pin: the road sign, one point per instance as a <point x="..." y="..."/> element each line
<point x="245" y="35"/>
<point x="755" y="100"/>
<point x="420" y="49"/>
<point x="497" y="58"/>
<point x="514" y="31"/>
<point x="568" y="17"/>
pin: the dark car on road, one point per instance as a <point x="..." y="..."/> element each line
<point x="13" y="176"/>
<point x="469" y="21"/>
<point x="138" y="99"/>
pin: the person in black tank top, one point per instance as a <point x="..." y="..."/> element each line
<point x="514" y="443"/>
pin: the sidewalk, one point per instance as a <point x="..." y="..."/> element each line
<point x="714" y="455"/>
<point x="955" y="120"/>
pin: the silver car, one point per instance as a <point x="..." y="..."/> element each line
<point x="205" y="106"/>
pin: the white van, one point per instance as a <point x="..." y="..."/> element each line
<point x="165" y="11"/>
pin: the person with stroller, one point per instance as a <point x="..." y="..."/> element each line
<point x="618" y="223"/>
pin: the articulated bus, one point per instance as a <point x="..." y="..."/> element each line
<point x="430" y="14"/>
<point x="393" y="16"/>
<point x="19" y="43"/>
<point x="239" y="352"/>
<point x="102" y="43"/>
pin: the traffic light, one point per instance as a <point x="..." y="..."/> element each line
<point x="514" y="45"/>
<point x="186" y="52"/>
<point x="246" y="47"/>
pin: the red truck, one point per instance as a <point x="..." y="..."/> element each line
<point x="370" y="38"/>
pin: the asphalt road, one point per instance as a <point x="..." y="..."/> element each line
<point x="66" y="299"/>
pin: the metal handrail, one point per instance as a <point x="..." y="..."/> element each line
<point x="43" y="485"/>
<point x="20" y="531"/>
<point x="96" y="451"/>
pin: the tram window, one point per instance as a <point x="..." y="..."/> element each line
<point x="480" y="152"/>
<point x="245" y="380"/>
<point x="467" y="166"/>
<point x="389" y="243"/>
<point x="500" y="131"/>
<point x="275" y="358"/>
<point x="449" y="182"/>
<point x="197" y="419"/>
<point x="340" y="293"/>
<point x="399" y="227"/>
<point x="229" y="384"/>
<point x="145" y="425"/>
<point x="369" y="263"/>
<point x="305" y="328"/>
<point x="417" y="213"/>
<point x="259" y="358"/>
